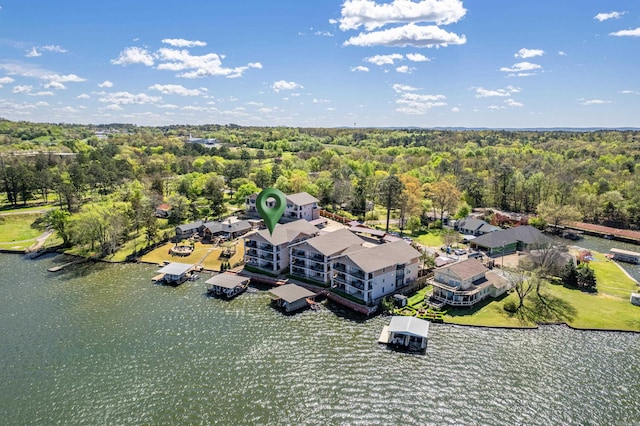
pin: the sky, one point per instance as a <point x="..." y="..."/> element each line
<point x="322" y="63"/>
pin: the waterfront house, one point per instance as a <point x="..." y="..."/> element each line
<point x="188" y="229"/>
<point x="229" y="228"/>
<point x="625" y="255"/>
<point x="227" y="285"/>
<point x="520" y="238"/>
<point x="292" y="297"/>
<point x="405" y="332"/>
<point x="270" y="252"/>
<point x="298" y="206"/>
<point x="310" y="258"/>
<point x="466" y="283"/>
<point x="475" y="227"/>
<point x="369" y="274"/>
<point x="174" y="273"/>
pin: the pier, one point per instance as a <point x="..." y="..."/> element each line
<point x="61" y="267"/>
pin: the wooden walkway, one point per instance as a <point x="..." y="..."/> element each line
<point x="625" y="235"/>
<point x="61" y="267"/>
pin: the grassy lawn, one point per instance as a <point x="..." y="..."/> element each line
<point x="213" y="261"/>
<point x="430" y="239"/>
<point x="19" y="227"/>
<point x="489" y="313"/>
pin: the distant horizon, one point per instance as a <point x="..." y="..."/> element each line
<point x="376" y="63"/>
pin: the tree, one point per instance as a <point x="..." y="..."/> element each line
<point x="523" y="284"/>
<point x="556" y="214"/>
<point x="214" y="193"/>
<point x="449" y="236"/>
<point x="444" y="195"/>
<point x="586" y="277"/>
<point x="244" y="191"/>
<point x="569" y="275"/>
<point x="389" y="194"/>
<point x="414" y="224"/>
<point x="58" y="220"/>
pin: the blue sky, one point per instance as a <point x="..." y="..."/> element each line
<point x="325" y="63"/>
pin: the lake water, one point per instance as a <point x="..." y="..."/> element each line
<point x="100" y="344"/>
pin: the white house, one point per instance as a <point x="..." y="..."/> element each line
<point x="369" y="274"/>
<point x="299" y="206"/>
<point x="311" y="258"/>
<point x="270" y="253"/>
<point x="466" y="283"/>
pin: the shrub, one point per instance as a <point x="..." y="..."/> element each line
<point x="510" y="307"/>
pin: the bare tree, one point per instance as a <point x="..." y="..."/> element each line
<point x="523" y="283"/>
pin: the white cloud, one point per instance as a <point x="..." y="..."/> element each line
<point x="55" y="85"/>
<point x="180" y="42"/>
<point x="513" y="103"/>
<point x="68" y="109"/>
<point x="405" y="69"/>
<point x="42" y="93"/>
<point x="53" y="48"/>
<point x="384" y="59"/>
<point x="455" y="109"/>
<point x="399" y="88"/>
<point x="528" y="53"/>
<point x="627" y="33"/>
<point x="321" y="101"/>
<point x="360" y="68"/>
<point x="134" y="55"/>
<point x="285" y="85"/>
<point x="333" y="21"/>
<point x="481" y="92"/>
<point x="201" y="66"/>
<point x="417" y="57"/>
<point x="415" y="104"/>
<point x="520" y="67"/>
<point x="83" y="96"/>
<point x="324" y="33"/>
<point x="5" y="80"/>
<point x="42" y="104"/>
<point x="106" y="83"/>
<point x="611" y="15"/>
<point x="408" y="35"/>
<point x="22" y="89"/>
<point x="371" y="15"/>
<point x="624" y="92"/>
<point x="176" y="89"/>
<point x="33" y="53"/>
<point x="114" y="107"/>
<point x="126" y="98"/>
<point x="496" y="107"/>
<point x="594" y="102"/>
<point x="562" y="53"/>
<point x="67" y="78"/>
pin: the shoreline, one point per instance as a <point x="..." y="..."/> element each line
<point x="497" y="327"/>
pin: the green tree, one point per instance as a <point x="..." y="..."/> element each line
<point x="58" y="220"/>
<point x="389" y="194"/>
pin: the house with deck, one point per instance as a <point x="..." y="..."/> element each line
<point x="301" y="205"/>
<point x="229" y="228"/>
<point x="371" y="273"/>
<point x="466" y="283"/>
<point x="270" y="252"/>
<point x="504" y="241"/>
<point x="188" y="229"/>
<point x="311" y="259"/>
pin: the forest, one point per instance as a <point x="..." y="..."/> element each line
<point x="107" y="180"/>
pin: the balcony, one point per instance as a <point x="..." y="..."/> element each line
<point x="356" y="273"/>
<point x="340" y="267"/>
<point x="250" y="244"/>
<point x="252" y="252"/>
<point x="316" y="257"/>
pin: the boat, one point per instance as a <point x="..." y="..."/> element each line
<point x="608" y="237"/>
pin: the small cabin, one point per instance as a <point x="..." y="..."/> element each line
<point x="292" y="297"/>
<point x="408" y="333"/>
<point x="625" y="255"/>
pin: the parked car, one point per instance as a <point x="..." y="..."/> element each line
<point x="460" y="252"/>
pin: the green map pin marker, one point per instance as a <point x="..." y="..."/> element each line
<point x="271" y="215"/>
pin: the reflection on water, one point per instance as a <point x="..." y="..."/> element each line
<point x="100" y="344"/>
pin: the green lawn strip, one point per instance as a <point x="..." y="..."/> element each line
<point x="19" y="227"/>
<point x="430" y="239"/>
<point x="489" y="313"/>
<point x="213" y="260"/>
<point x="611" y="279"/>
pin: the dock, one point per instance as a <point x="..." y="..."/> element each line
<point x="64" y="265"/>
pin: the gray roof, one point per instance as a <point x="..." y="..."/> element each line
<point x="486" y="228"/>
<point x="176" y="268"/>
<point x="302" y="198"/>
<point x="409" y="325"/>
<point x="471" y="223"/>
<point x="378" y="257"/>
<point x="284" y="233"/>
<point x="190" y="226"/>
<point x="464" y="270"/>
<point x="227" y="280"/>
<point x="291" y="292"/>
<point x="525" y="234"/>
<point x="332" y="243"/>
<point x="226" y="226"/>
